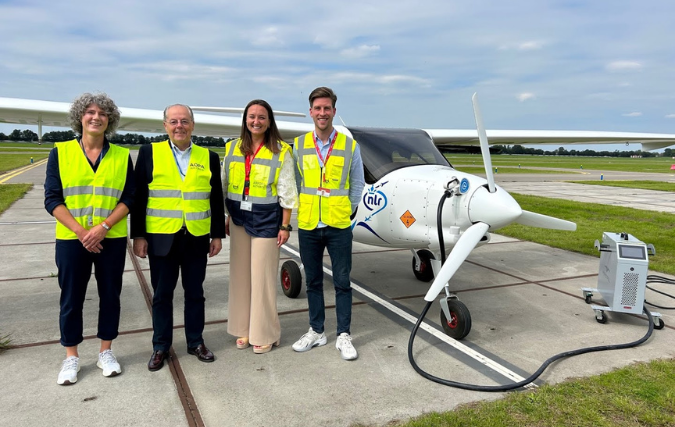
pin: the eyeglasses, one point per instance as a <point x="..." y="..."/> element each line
<point x="175" y="122"/>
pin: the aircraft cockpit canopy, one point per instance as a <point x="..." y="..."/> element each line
<point x="385" y="150"/>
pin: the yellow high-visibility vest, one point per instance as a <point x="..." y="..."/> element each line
<point x="336" y="209"/>
<point x="265" y="169"/>
<point x="91" y="196"/>
<point x="173" y="202"/>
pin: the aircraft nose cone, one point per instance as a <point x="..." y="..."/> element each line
<point x="496" y="209"/>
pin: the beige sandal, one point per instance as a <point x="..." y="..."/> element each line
<point x="242" y="343"/>
<point x="261" y="349"/>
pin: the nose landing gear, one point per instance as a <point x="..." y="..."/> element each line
<point x="455" y="318"/>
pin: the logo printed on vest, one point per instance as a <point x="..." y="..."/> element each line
<point x="199" y="166"/>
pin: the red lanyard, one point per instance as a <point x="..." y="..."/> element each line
<point x="249" y="160"/>
<point x="318" y="151"/>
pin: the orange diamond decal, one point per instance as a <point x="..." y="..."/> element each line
<point x="407" y="219"/>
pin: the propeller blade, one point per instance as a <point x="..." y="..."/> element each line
<point x="484" y="146"/>
<point x="467" y="241"/>
<point x="544" y="221"/>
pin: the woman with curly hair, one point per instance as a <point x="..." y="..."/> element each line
<point x="89" y="189"/>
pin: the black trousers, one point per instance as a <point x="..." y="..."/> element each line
<point x="187" y="256"/>
<point x="74" y="264"/>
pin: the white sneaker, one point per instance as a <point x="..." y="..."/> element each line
<point x="344" y="344"/>
<point x="108" y="363"/>
<point x="69" y="370"/>
<point x="310" y="340"/>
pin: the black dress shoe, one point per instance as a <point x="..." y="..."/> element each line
<point x="157" y="360"/>
<point x="202" y="353"/>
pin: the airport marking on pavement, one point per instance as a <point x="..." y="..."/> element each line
<point x="19" y="171"/>
<point x="481" y="358"/>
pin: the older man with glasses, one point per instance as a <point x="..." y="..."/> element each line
<point x="178" y="220"/>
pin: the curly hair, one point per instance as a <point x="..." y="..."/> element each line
<point x="104" y="102"/>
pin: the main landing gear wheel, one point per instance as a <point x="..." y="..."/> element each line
<point x="291" y="279"/>
<point x="459" y="324"/>
<point x="425" y="273"/>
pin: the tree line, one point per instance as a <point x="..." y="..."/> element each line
<point x="210" y="141"/>
<point x="28" y="135"/>
<point x="562" y="151"/>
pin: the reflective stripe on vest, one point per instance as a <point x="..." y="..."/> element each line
<point x="91" y="196"/>
<point x="265" y="169"/>
<point x="173" y="202"/>
<point x="336" y="209"/>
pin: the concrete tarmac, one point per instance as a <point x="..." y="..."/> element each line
<point x="522" y="314"/>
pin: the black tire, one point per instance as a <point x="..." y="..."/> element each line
<point x="588" y="298"/>
<point x="659" y="324"/>
<point x="291" y="279"/>
<point x="602" y="319"/>
<point x="459" y="324"/>
<point x="426" y="273"/>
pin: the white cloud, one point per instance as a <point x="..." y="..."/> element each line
<point x="383" y="79"/>
<point x="522" y="97"/>
<point x="527" y="45"/>
<point x="633" y="114"/>
<point x="268" y="37"/>
<point x="618" y="66"/>
<point x="670" y="116"/>
<point x="179" y="70"/>
<point x="360" y="51"/>
<point x="531" y="45"/>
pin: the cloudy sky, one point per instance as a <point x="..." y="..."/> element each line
<point x="569" y="65"/>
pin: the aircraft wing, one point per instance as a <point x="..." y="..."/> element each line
<point x="650" y="141"/>
<point x="48" y="113"/>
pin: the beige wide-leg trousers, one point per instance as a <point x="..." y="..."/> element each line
<point x="252" y="305"/>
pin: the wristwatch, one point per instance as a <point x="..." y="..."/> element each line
<point x="286" y="227"/>
<point x="105" y="225"/>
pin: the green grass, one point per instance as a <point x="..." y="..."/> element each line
<point x="639" y="395"/>
<point x="480" y="170"/>
<point x="651" y="164"/>
<point x="642" y="185"/>
<point x="9" y="162"/>
<point x="592" y="220"/>
<point x="9" y="193"/>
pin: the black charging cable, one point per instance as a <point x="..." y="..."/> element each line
<point x="542" y="368"/>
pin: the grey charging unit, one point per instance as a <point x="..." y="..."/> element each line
<point x="622" y="276"/>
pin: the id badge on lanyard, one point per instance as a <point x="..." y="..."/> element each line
<point x="322" y="191"/>
<point x="247" y="205"/>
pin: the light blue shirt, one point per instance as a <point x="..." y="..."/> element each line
<point x="356" y="177"/>
<point x="182" y="159"/>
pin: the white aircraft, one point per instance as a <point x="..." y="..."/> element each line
<point x="412" y="191"/>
